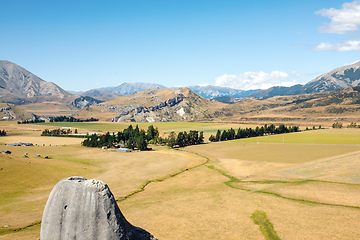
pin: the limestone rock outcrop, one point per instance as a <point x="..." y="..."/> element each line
<point x="86" y="209"/>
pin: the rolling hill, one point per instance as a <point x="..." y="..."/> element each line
<point x="18" y="83"/>
<point x="155" y="105"/>
<point x="33" y="97"/>
<point x="331" y="106"/>
<point x="342" y="77"/>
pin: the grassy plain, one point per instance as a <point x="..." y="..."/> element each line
<point x="307" y="188"/>
<point x="51" y="108"/>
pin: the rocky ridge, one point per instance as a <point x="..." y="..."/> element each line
<point x="149" y="113"/>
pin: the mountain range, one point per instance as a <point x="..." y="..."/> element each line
<point x="211" y="92"/>
<point x="18" y="84"/>
<point x="154" y="102"/>
<point x="130" y="88"/>
<point x="346" y="76"/>
<point x="207" y="91"/>
<point x="338" y="78"/>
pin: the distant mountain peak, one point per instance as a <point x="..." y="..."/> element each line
<point x="130" y="88"/>
<point x="18" y="82"/>
<point x="210" y="91"/>
<point x="342" y="77"/>
<point x="345" y="76"/>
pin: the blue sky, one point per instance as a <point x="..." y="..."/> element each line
<point x="81" y="45"/>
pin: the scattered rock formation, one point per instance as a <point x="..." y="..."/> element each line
<point x="141" y="109"/>
<point x="85" y="101"/>
<point x="86" y="209"/>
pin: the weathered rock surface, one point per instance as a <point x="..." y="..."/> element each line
<point x="86" y="209"/>
<point x="85" y="101"/>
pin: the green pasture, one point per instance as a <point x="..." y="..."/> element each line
<point x="308" y="138"/>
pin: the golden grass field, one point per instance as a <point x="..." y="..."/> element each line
<point x="309" y="187"/>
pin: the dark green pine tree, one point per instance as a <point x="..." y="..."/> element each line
<point x="218" y="136"/>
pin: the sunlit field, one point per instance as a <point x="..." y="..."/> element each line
<point x="321" y="136"/>
<point x="307" y="183"/>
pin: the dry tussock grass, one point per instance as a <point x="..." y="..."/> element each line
<point x="196" y="204"/>
<point x="174" y="209"/>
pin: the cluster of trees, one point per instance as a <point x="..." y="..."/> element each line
<point x="30" y="121"/>
<point x="2" y="133"/>
<point x="249" y="132"/>
<point x="313" y="128"/>
<point x="131" y="137"/>
<point x="337" y="125"/>
<point x="353" y="125"/>
<point x="183" y="139"/>
<point x="60" y="133"/>
<point x="59" y="119"/>
<point x="72" y="119"/>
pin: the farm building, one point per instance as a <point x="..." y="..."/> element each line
<point x="123" y="150"/>
<point x="119" y="146"/>
<point x="94" y="133"/>
<point x="20" y="144"/>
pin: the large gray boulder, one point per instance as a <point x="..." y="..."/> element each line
<point x="86" y="209"/>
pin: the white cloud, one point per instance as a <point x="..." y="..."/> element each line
<point x="341" y="47"/>
<point x="345" y="20"/>
<point x="254" y="80"/>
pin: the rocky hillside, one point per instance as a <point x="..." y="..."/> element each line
<point x="332" y="106"/>
<point x="85" y="101"/>
<point x="346" y="76"/>
<point x="278" y="91"/>
<point x="155" y="105"/>
<point x="17" y="82"/>
<point x="95" y="93"/>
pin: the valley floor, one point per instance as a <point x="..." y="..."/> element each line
<point x="306" y="185"/>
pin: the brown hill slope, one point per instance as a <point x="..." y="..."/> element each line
<point x="161" y="105"/>
<point x="155" y="105"/>
<point x="331" y="106"/>
<point x="17" y="82"/>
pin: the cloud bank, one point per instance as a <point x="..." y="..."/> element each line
<point x="254" y="80"/>
<point x="343" y="21"/>
<point x="341" y="47"/>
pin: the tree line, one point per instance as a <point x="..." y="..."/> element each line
<point x="30" y="121"/>
<point x="340" y="125"/>
<point x="131" y="138"/>
<point x="61" y="133"/>
<point x="249" y="132"/>
<point x="2" y="133"/>
<point x="183" y="139"/>
<point x="72" y="119"/>
<point x="59" y="119"/>
<point x="136" y="138"/>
